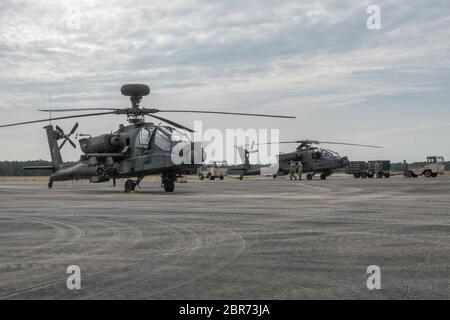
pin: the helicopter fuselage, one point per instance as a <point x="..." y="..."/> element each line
<point x="314" y="160"/>
<point x="136" y="150"/>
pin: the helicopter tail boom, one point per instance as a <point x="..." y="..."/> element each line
<point x="52" y="137"/>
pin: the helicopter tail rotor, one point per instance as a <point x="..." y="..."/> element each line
<point x="66" y="137"/>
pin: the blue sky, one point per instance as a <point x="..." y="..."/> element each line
<point x="312" y="59"/>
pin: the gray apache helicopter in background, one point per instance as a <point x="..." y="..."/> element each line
<point x="133" y="151"/>
<point x="314" y="160"/>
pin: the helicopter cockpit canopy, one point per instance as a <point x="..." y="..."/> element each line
<point x="180" y="136"/>
<point x="162" y="139"/>
<point x="145" y="134"/>
<point x="329" y="154"/>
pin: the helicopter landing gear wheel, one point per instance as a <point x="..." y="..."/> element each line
<point x="130" y="185"/>
<point x="169" y="186"/>
<point x="323" y="176"/>
<point x="309" y="176"/>
<point x="50" y="184"/>
<point x="168" y="182"/>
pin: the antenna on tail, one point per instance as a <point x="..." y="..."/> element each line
<point x="50" y="107"/>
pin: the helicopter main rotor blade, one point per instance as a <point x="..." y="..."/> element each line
<point x="321" y="142"/>
<point x="175" y="124"/>
<point x="57" y="118"/>
<point x="77" y="109"/>
<point x="221" y="112"/>
<point x="281" y="142"/>
<point x="349" y="144"/>
<point x="152" y="111"/>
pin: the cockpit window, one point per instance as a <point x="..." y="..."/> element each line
<point x="180" y="136"/>
<point x="327" y="155"/>
<point x="162" y="140"/>
<point x="317" y="155"/>
<point x="144" y="137"/>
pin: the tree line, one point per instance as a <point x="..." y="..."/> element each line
<point x="14" y="168"/>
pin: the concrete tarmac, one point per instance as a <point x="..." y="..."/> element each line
<point x="251" y="239"/>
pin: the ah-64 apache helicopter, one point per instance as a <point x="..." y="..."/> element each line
<point x="133" y="151"/>
<point x="314" y="160"/>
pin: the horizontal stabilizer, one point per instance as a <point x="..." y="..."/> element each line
<point x="38" y="168"/>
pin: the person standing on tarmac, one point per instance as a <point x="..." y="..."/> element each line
<point x="292" y="170"/>
<point x="405" y="168"/>
<point x="377" y="168"/>
<point x="299" y="169"/>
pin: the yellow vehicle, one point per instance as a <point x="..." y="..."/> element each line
<point x="214" y="170"/>
<point x="435" y="165"/>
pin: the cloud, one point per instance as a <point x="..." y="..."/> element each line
<point x="315" y="60"/>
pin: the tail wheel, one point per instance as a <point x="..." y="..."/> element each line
<point x="309" y="176"/>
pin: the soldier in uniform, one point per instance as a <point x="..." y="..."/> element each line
<point x="405" y="168"/>
<point x="299" y="169"/>
<point x="377" y="167"/>
<point x="292" y="170"/>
